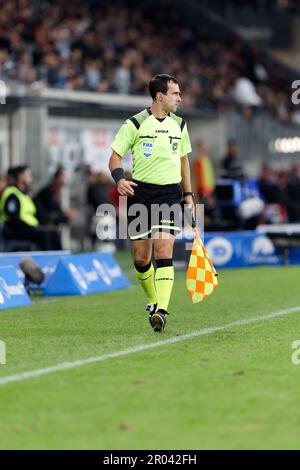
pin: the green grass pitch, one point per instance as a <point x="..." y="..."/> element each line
<point x="230" y="389"/>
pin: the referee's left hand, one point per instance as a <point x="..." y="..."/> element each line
<point x="189" y="201"/>
<point x="125" y="188"/>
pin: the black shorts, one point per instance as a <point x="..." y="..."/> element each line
<point x="154" y="208"/>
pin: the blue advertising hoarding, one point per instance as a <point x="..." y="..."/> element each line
<point x="12" y="290"/>
<point x="242" y="249"/>
<point x="86" y="274"/>
<point x="67" y="274"/>
<point x="47" y="261"/>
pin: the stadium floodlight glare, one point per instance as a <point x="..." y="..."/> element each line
<point x="285" y="145"/>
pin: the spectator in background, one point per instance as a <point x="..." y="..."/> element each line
<point x="97" y="189"/>
<point x="204" y="171"/>
<point x="3" y="183"/>
<point x="293" y="194"/>
<point x="92" y="74"/>
<point x="51" y="70"/>
<point x="122" y="77"/>
<point x="268" y="186"/>
<point x="245" y="94"/>
<point x="60" y="44"/>
<point x="98" y="185"/>
<point x="232" y="167"/>
<point x="18" y="212"/>
<point x="47" y="200"/>
<point x="205" y="181"/>
<point x="10" y="175"/>
<point x="273" y="196"/>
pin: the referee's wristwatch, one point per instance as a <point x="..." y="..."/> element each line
<point x="189" y="193"/>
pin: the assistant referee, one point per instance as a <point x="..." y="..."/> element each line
<point x="159" y="142"/>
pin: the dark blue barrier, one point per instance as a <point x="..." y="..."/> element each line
<point x="86" y="274"/>
<point x="12" y="290"/>
<point x="294" y="256"/>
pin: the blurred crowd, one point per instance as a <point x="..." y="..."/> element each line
<point x="30" y="221"/>
<point x="280" y="190"/>
<point x="234" y="201"/>
<point x="33" y="220"/>
<point x="257" y="6"/>
<point x="109" y="47"/>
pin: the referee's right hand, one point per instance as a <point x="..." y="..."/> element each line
<point x="125" y="188"/>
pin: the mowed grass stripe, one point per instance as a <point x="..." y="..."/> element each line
<point x="140" y="348"/>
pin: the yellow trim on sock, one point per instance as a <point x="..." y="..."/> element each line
<point x="164" y="280"/>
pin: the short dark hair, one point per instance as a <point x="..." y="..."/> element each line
<point x="59" y="170"/>
<point x="11" y="171"/>
<point x="159" y="83"/>
<point x="18" y="170"/>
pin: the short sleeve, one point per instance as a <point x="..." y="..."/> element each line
<point x="185" y="142"/>
<point x="124" y="138"/>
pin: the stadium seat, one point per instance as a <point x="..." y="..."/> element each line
<point x="15" y="244"/>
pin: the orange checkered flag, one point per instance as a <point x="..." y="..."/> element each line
<point x="202" y="278"/>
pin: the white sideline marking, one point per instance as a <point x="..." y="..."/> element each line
<point x="143" y="347"/>
<point x="44" y="301"/>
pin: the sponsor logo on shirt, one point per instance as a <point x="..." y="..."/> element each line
<point x="147" y="149"/>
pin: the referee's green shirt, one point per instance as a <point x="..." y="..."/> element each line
<point x="156" y="145"/>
